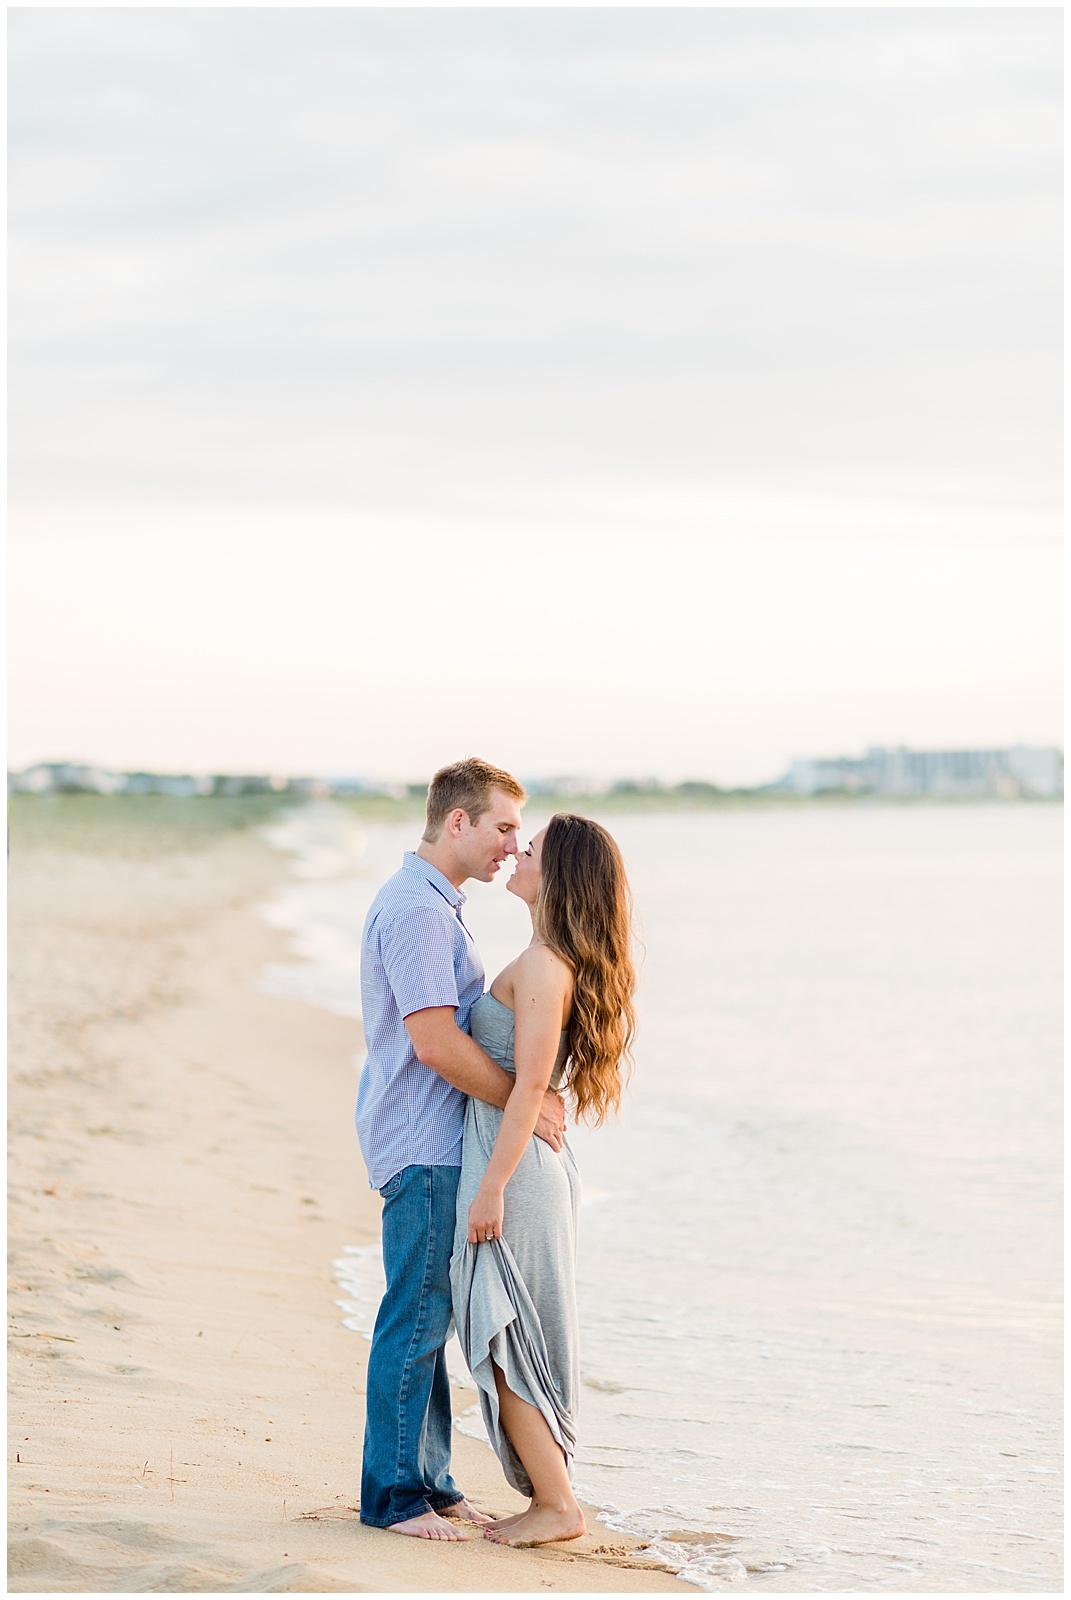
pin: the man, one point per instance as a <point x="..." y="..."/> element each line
<point x="420" y="974"/>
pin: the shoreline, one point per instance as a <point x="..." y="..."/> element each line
<point x="186" y="1406"/>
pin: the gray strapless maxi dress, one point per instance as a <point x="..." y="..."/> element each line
<point x="515" y="1298"/>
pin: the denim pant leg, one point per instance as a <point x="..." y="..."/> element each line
<point x="407" y="1436"/>
<point x="441" y="1490"/>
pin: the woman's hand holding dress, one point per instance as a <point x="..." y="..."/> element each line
<point x="485" y="1215"/>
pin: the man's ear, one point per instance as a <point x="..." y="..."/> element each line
<point x="455" y="822"/>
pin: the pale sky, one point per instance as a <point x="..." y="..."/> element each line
<point x="651" y="392"/>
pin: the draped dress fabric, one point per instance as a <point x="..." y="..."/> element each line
<point x="515" y="1298"/>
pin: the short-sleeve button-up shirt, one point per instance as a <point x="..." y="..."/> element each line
<point x="416" y="952"/>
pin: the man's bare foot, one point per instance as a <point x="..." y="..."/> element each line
<point x="540" y="1525"/>
<point x="461" y="1511"/>
<point x="427" y="1526"/>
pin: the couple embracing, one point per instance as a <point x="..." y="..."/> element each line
<point x="462" y="1127"/>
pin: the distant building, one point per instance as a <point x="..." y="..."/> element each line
<point x="367" y="788"/>
<point x="65" y="777"/>
<point x="68" y="777"/>
<point x="309" y="788"/>
<point x="565" y="788"/>
<point x="1022" y="772"/>
<point x="165" y="783"/>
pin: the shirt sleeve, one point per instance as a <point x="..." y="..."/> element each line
<point x="417" y="948"/>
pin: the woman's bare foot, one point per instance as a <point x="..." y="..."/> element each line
<point x="507" y="1522"/>
<point x="428" y="1526"/>
<point x="461" y="1511"/>
<point x="538" y="1525"/>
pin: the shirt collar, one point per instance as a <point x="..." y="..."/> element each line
<point x="437" y="879"/>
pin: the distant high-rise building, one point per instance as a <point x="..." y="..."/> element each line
<point x="1024" y="771"/>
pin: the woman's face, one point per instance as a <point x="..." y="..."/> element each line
<point x="525" y="880"/>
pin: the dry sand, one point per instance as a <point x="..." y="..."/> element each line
<point x="186" y="1409"/>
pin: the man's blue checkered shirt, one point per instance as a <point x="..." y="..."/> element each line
<point x="416" y="952"/>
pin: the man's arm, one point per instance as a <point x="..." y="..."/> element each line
<point x="441" y="1045"/>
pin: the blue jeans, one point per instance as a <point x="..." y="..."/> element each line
<point x="406" y="1467"/>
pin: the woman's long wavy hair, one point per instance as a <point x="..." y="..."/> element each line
<point x="584" y="913"/>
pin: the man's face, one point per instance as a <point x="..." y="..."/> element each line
<point x="484" y="845"/>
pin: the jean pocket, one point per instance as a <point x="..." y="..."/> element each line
<point x="392" y="1185"/>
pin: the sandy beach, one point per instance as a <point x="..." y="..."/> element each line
<point x="186" y="1409"/>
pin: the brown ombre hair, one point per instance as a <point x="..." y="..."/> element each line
<point x="584" y="913"/>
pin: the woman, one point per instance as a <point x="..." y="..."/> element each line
<point x="561" y="1013"/>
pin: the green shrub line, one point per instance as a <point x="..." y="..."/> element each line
<point x="121" y="824"/>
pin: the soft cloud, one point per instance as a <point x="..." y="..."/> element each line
<point x="698" y="244"/>
<point x="692" y="373"/>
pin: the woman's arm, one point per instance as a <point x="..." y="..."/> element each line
<point x="440" y="1045"/>
<point x="541" y="987"/>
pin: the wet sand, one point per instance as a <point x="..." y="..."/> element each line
<point x="186" y="1408"/>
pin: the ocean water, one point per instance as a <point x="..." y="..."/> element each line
<point x="820" y="1254"/>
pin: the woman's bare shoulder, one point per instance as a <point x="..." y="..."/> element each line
<point x="540" y="964"/>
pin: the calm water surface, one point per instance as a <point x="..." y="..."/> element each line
<point x="820" y="1256"/>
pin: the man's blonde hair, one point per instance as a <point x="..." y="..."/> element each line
<point x="470" y="785"/>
